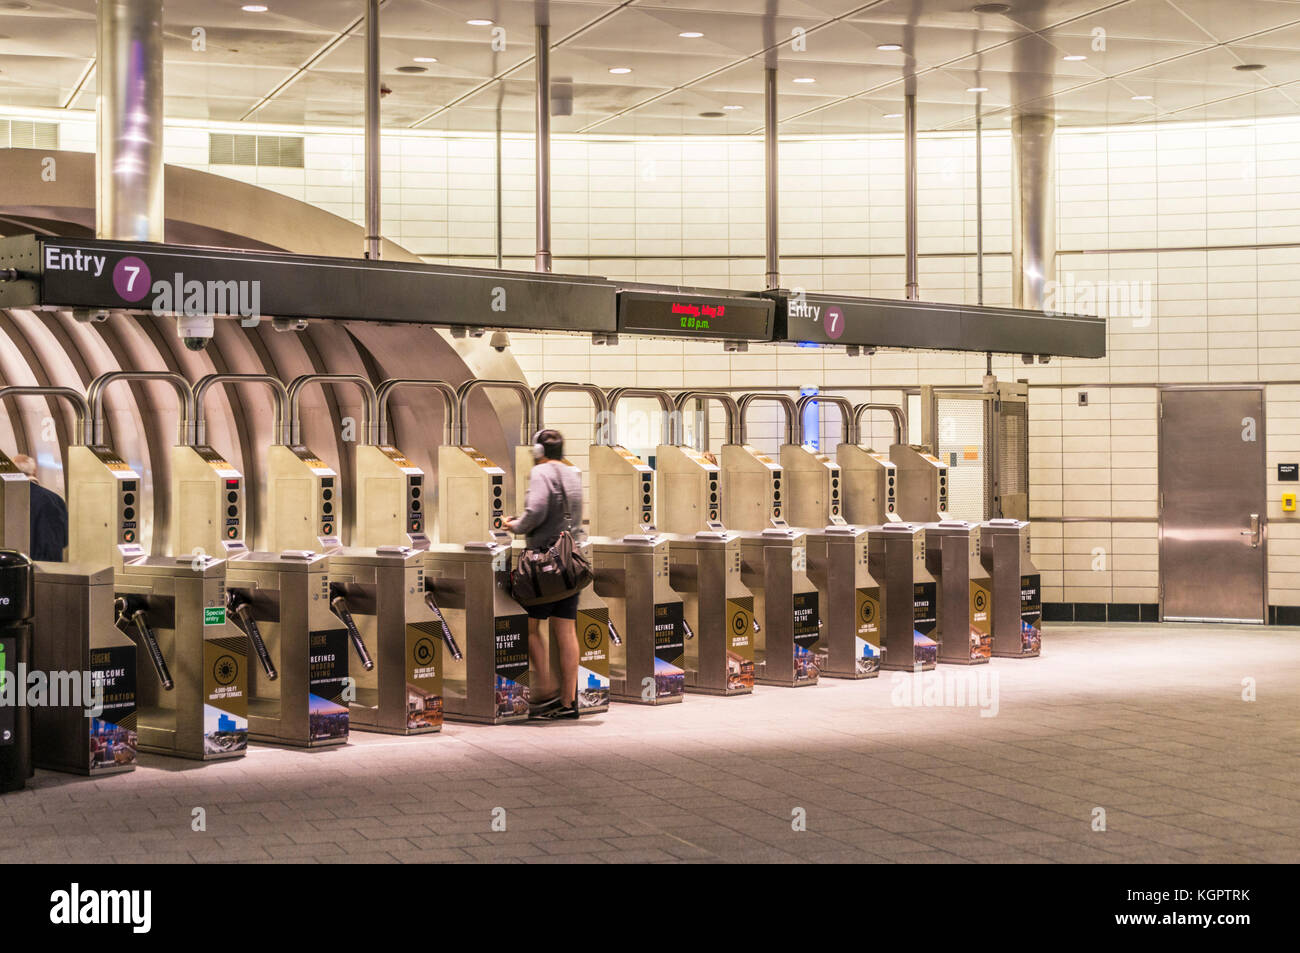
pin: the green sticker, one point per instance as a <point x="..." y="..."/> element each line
<point x="214" y="616"/>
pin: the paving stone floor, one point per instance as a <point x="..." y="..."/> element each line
<point x="1144" y="722"/>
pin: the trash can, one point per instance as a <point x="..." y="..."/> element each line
<point x="16" y="600"/>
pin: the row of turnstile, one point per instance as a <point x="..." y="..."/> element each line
<point x="711" y="575"/>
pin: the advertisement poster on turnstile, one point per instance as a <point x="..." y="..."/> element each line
<point x="593" y="658"/>
<point x="113" y="733"/>
<point x="981" y="622"/>
<point x="670" y="650"/>
<point x="512" y="666"/>
<point x="1031" y="614"/>
<point x="8" y="690"/>
<point x="328" y="715"/>
<point x="740" y="644"/>
<point x="807" y="632"/>
<point x="925" y="619"/>
<point x="423" y="680"/>
<point x="867" y="642"/>
<point x="225" y="693"/>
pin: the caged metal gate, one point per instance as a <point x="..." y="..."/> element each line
<point x="983" y="437"/>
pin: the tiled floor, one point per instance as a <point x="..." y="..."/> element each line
<point x="1146" y="723"/>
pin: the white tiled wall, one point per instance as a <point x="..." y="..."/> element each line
<point x="1186" y="237"/>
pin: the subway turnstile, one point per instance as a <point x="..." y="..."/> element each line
<point x="74" y="616"/>
<point x="173" y="607"/>
<point x="786" y="607"/>
<point x="1017" y="588"/>
<point x="909" y="596"/>
<point x="839" y="566"/>
<point x="965" y="611"/>
<point x="632" y="576"/>
<point x="718" y="616"/>
<point x="869" y="478"/>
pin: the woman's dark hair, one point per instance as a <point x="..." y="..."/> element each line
<point x="552" y="442"/>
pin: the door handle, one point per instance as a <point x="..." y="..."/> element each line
<point x="1253" y="532"/>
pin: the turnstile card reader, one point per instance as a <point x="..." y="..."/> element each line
<point x="786" y="607"/>
<point x="922" y="483"/>
<point x="391" y="499"/>
<point x="15" y="507"/>
<point x="752" y="494"/>
<point x="897" y="562"/>
<point x="208" y="503"/>
<point x="838" y="564"/>
<point x="690" y="491"/>
<point x="622" y="492"/>
<point x="813" y="487"/>
<point x="305" y="508"/>
<point x="1017" y="588"/>
<point x="965" y="610"/>
<point x="471" y="495"/>
<point x="632" y="577"/>
<point x="75" y="633"/>
<point x="869" y="481"/>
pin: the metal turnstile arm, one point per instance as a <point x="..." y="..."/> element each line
<point x="136" y="619"/>
<point x="242" y="611"/>
<point x="339" y="606"/>
<point x="447" y="637"/>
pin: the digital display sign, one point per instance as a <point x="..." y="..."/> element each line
<point x="709" y="317"/>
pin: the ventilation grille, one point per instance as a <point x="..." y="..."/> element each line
<point x="1013" y="448"/>
<point x="18" y="134"/>
<point x="284" y="152"/>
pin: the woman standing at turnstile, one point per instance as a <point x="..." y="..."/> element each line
<point x="553" y="505"/>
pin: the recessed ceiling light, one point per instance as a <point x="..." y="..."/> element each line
<point x="893" y="115"/>
<point x="479" y="22"/>
<point x="733" y="107"/>
<point x="247" y="8"/>
<point x="1138" y="99"/>
<point x="425" y="59"/>
<point x="620" y="70"/>
<point x="412" y="69"/>
<point x="711" y="115"/>
<point x="690" y="35"/>
<point x="977" y="89"/>
<point x="1249" y="67"/>
<point x="1075" y="57"/>
<point x="889" y="47"/>
<point x="991" y="8"/>
<point x="804" y="79"/>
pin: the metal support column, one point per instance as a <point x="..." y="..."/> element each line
<point x="129" y="114"/>
<point x="771" y="147"/>
<point x="909" y="175"/>
<point x="1033" y="210"/>
<point x="543" y="61"/>
<point x="372" y="129"/>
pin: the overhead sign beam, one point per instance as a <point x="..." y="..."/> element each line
<point x="890" y="323"/>
<point x="135" y="276"/>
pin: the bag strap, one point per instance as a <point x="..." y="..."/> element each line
<point x="558" y="485"/>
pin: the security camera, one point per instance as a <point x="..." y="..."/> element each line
<point x="195" y="330"/>
<point x="499" y="341"/>
<point x="90" y="316"/>
<point x="289" y="324"/>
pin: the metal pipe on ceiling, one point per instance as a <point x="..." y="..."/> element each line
<point x="979" y="200"/>
<point x="1033" y="210"/>
<point x="543" y="150"/>
<point x="771" y="153"/>
<point x="372" y="240"/>
<point x="129" y="120"/>
<point x="909" y="178"/>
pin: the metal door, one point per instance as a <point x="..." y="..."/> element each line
<point x="1213" y="537"/>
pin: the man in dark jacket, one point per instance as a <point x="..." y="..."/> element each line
<point x="49" y="524"/>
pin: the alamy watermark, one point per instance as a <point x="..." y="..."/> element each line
<point x="1103" y="298"/>
<point x="32" y="688"/>
<point x="974" y="687"/>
